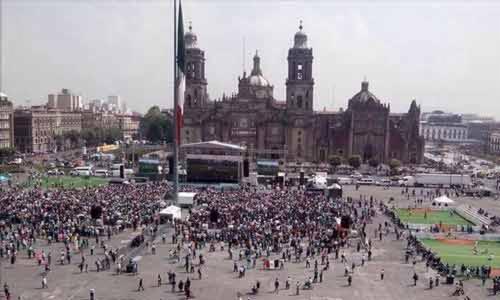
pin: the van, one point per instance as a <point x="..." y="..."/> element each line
<point x="82" y="171"/>
<point x="101" y="173"/>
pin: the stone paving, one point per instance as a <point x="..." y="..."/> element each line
<point x="219" y="282"/>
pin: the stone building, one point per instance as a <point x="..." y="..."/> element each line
<point x="291" y="129"/>
<point x="35" y="129"/>
<point x="6" y="122"/>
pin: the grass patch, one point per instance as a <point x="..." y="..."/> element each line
<point x="447" y="217"/>
<point x="71" y="182"/>
<point x="463" y="254"/>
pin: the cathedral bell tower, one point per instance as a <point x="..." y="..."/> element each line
<point x="195" y="95"/>
<point x="300" y="83"/>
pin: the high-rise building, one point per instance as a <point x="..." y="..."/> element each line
<point x="6" y="122"/>
<point x="114" y="103"/>
<point x="66" y="101"/>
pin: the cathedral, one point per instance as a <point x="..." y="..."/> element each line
<point x="291" y="130"/>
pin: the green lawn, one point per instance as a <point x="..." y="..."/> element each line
<point x="72" y="182"/>
<point x="447" y="217"/>
<point x="463" y="254"/>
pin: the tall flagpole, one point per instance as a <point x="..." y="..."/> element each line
<point x="175" y="145"/>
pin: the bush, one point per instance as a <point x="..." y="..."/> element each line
<point x="355" y="161"/>
<point x="373" y="162"/>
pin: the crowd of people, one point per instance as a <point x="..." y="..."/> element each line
<point x="278" y="227"/>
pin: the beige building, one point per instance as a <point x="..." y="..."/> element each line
<point x="35" y="129"/>
<point x="91" y="119"/>
<point x="129" y="125"/>
<point x="6" y="122"/>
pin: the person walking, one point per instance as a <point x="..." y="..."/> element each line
<point x="159" y="280"/>
<point x="92" y="294"/>
<point x="349" y="280"/>
<point x="382" y="274"/>
<point x="415" y="279"/>
<point x="276" y="285"/>
<point x="297" y="288"/>
<point x="44" y="282"/>
<point x="140" y="287"/>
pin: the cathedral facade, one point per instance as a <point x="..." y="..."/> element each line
<point x="291" y="129"/>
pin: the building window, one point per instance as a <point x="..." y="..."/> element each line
<point x="299" y="101"/>
<point x="299" y="72"/>
<point x="322" y="155"/>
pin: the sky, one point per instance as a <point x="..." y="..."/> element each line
<point x="444" y="54"/>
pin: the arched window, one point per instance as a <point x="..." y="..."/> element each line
<point x="188" y="100"/>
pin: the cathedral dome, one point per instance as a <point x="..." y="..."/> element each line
<point x="256" y="78"/>
<point x="300" y="39"/>
<point x="190" y="38"/>
<point x="364" y="95"/>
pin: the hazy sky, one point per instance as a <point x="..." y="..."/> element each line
<point x="445" y="54"/>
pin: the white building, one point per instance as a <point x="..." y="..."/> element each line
<point x="444" y="132"/>
<point x="494" y="142"/>
<point x="443" y="127"/>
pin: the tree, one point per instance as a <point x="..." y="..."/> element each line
<point x="335" y="161"/>
<point x="112" y="135"/>
<point x="6" y="153"/>
<point x="156" y="127"/>
<point x="373" y="162"/>
<point x="394" y="164"/>
<point x="355" y="161"/>
<point x="91" y="136"/>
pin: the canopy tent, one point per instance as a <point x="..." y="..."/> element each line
<point x="335" y="186"/>
<point x="443" y="200"/>
<point x="172" y="211"/>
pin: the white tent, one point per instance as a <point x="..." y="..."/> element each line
<point x="172" y="211"/>
<point x="443" y="200"/>
<point x="335" y="186"/>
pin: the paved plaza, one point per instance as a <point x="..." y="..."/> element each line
<point x="220" y="282"/>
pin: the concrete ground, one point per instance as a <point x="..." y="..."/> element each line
<point x="219" y="282"/>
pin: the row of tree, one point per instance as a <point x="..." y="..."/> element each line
<point x="355" y="162"/>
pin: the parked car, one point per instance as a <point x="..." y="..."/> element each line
<point x="366" y="181"/>
<point x="344" y="180"/>
<point x="55" y="172"/>
<point x="383" y="182"/>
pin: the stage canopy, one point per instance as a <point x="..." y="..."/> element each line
<point x="173" y="211"/>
